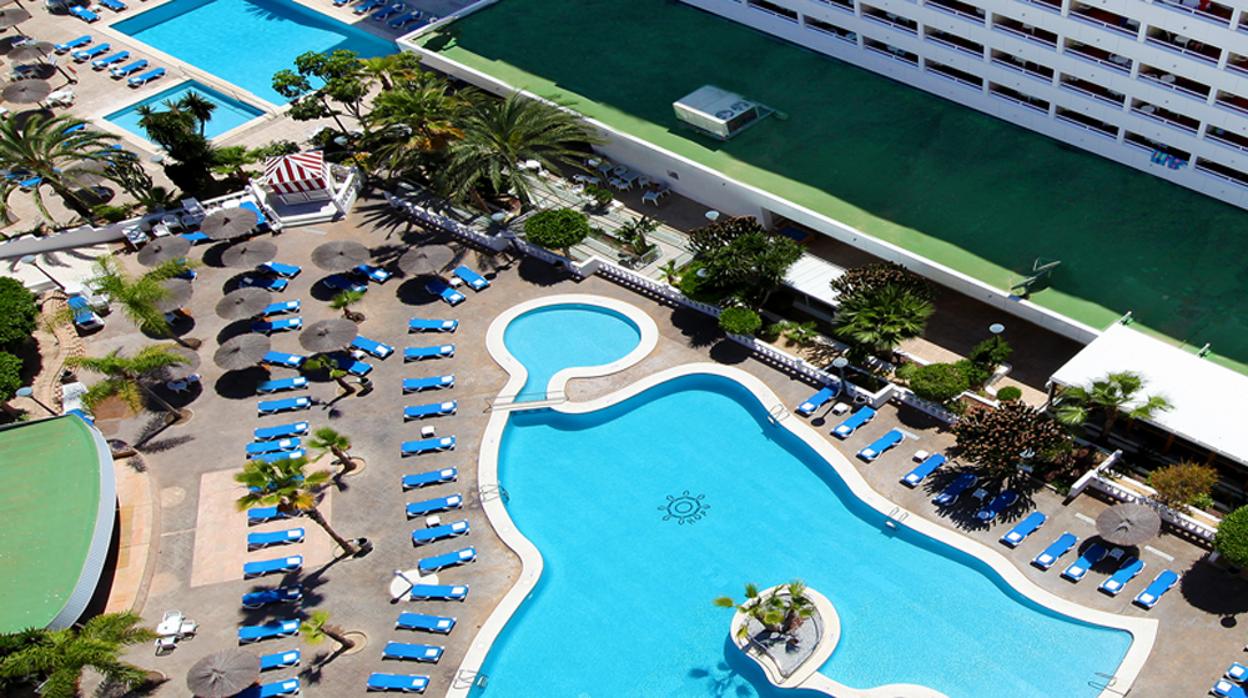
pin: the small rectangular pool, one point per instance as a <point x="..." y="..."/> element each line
<point x="230" y="113"/>
<point x="246" y="41"/>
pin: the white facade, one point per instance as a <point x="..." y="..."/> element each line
<point x="1159" y="86"/>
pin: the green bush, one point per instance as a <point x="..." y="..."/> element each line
<point x="601" y="196"/>
<point x="772" y="332"/>
<point x="17" y="312"/>
<point x="556" y="229"/>
<point x="110" y="213"/>
<point x="1180" y="484"/>
<point x="10" y="375"/>
<point x="976" y="374"/>
<point x="739" y="321"/>
<point x="1009" y="393"/>
<point x="937" y="382"/>
<point x="991" y="352"/>
<point x="1231" y="540"/>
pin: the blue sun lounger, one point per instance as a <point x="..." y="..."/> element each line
<point x="196" y="237"/>
<point x="72" y="44"/>
<point x="280" y="660"/>
<point x="816" y="401"/>
<point x="276" y="456"/>
<point x="929" y="465"/>
<point x="85" y="317"/>
<point x="285" y="324"/>
<point x="420" y="324"/>
<point x="1078" y="569"/>
<point x="265" y="539"/>
<point x="281" y="431"/>
<point x="1156" y="589"/>
<point x="114" y="5"/>
<point x="372" y="347"/>
<point x="404" y="683"/>
<point x="954" y="489"/>
<point x="86" y="54"/>
<point x="846" y="428"/>
<point x="267" y="631"/>
<point x="83" y="13"/>
<point x="278" y="385"/>
<point x="387" y="12"/>
<point x="1225" y="688"/>
<point x="411" y="652"/>
<point x="433" y="409"/>
<point x="259" y="515"/>
<point x="141" y="80"/>
<point x="433" y="534"/>
<point x="342" y="282"/>
<point x="274" y="566"/>
<point x="403" y="20"/>
<point x="351" y="365"/>
<point x="375" y="274"/>
<point x="282" y="307"/>
<point x="415" y="385"/>
<point x="420" y="621"/>
<point x="256" y="448"/>
<point x="435" y="477"/>
<point x="1124" y="574"/>
<point x="1056" y="549"/>
<point x="423" y="446"/>
<point x="286" y="271"/>
<point x="1237" y="672"/>
<point x="452" y="559"/>
<point x="434" y="506"/>
<point x="877" y="448"/>
<point x="472" y="278"/>
<point x="442" y="351"/>
<point x="264" y="597"/>
<point x="277" y="358"/>
<point x="120" y="72"/>
<point x="1004" y="500"/>
<point x="443" y="290"/>
<point x="102" y="63"/>
<point x="1029" y="525"/>
<point x="283" y="405"/>
<point x="438" y="592"/>
<point x="277" y="689"/>
<point x="268" y="283"/>
<point x="368" y="6"/>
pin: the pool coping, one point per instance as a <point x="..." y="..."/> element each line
<point x="1143" y="631"/>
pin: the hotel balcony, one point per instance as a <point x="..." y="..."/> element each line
<point x="1231" y="102"/>
<point x="1212" y="12"/>
<point x="1178" y="43"/>
<point x="1190" y="88"/>
<point x="846" y="5"/>
<point x="1152" y="147"/>
<point x="1026" y="101"/>
<point x="1237" y="62"/>
<point x="1043" y="73"/>
<point x="1092" y="90"/>
<point x="1088" y="123"/>
<point x="1220" y="171"/>
<point x="890" y="19"/>
<point x="958" y="9"/>
<point x="1050" y="5"/>
<point x="897" y="54"/>
<point x="1036" y="35"/>
<point x="955" y="42"/>
<point x="959" y="76"/>
<point x="831" y="29"/>
<point x="773" y="9"/>
<point x="1165" y="116"/>
<point x="1105" y="19"/>
<point x="1099" y="56"/>
<point x="1227" y="139"/>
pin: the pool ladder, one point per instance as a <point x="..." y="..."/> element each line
<point x="1106" y="683"/>
<point x="895" y="517"/>
<point x="777" y="413"/>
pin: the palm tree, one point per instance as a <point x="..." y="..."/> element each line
<point x="395" y="68"/>
<point x="881" y="319"/>
<point x="328" y="439"/>
<point x="501" y="135"/>
<point x="343" y="301"/>
<point x="56" y="658"/>
<point x="284" y="484"/>
<point x="1116" y="394"/>
<point x="138" y="296"/>
<point x="317" y="627"/>
<point x="47" y="148"/>
<point x="126" y="377"/>
<point x="781" y="612"/>
<point x="321" y="362"/>
<point x="197" y="106"/>
<point x="415" y="121"/>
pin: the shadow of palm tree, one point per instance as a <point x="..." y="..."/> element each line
<point x="699" y="329"/>
<point x="1214" y="589"/>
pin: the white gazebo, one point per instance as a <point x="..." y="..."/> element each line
<point x="299" y="178"/>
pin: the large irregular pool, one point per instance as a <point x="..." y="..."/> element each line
<point x="247" y="41"/>
<point x="647" y="510"/>
<point x="554" y="337"/>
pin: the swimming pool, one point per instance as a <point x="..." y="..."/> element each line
<point x="646" y="509"/>
<point x="230" y="113"/>
<point x="247" y="41"/>
<point x="554" y="337"/>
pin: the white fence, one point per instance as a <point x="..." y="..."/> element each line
<point x="1117" y="488"/>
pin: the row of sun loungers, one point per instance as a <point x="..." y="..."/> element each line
<point x="98" y="56"/>
<point x="1128" y="567"/>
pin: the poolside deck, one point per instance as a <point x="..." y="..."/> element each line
<point x="946" y="182"/>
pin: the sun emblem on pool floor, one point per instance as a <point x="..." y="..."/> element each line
<point x="685" y="508"/>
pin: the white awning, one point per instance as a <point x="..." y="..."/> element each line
<point x="811" y="275"/>
<point x="1206" y="397"/>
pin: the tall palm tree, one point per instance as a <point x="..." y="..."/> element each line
<point x="47" y="148"/>
<point x="501" y="135"/>
<point x="392" y="69"/>
<point x="56" y="658"/>
<point x="199" y="107"/>
<point x="1116" y="394"/>
<point x="329" y="439"/>
<point x="883" y="318"/>
<point x="317" y="627"/>
<point x="284" y="484"/>
<point x="415" y="121"/>
<point x="126" y="377"/>
<point x="138" y="296"/>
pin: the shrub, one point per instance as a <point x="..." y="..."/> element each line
<point x="1231" y="540"/>
<point x="110" y="213"/>
<point x="1009" y="393"/>
<point x="17" y="312"/>
<point x="873" y="277"/>
<point x="742" y="258"/>
<point x="556" y="229"/>
<point x="601" y="196"/>
<point x="1179" y="485"/>
<point x="976" y="374"/>
<point x="993" y="439"/>
<point x="10" y="375"/>
<point x="991" y="352"/>
<point x="739" y="321"/>
<point x="937" y="382"/>
<point x="881" y="319"/>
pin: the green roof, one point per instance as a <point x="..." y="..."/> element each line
<point x="944" y="181"/>
<point x="49" y="501"/>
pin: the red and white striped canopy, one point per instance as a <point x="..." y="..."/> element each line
<point x="300" y="172"/>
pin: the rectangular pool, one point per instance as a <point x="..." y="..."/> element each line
<point x="246" y="41"/>
<point x="230" y="113"/>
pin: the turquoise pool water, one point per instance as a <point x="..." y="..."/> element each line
<point x="229" y="113"/>
<point x="549" y="339"/>
<point x="648" y="510"/>
<point x="247" y="41"/>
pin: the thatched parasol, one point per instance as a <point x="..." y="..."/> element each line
<point x="26" y="91"/>
<point x="177" y="295"/>
<point x="223" y="674"/>
<point x="12" y="16"/>
<point x="228" y="223"/>
<point x="31" y="51"/>
<point x="249" y="253"/>
<point x="428" y="260"/>
<point x="328" y="335"/>
<point x="339" y="255"/>
<point x="243" y="303"/>
<point x="243" y="351"/>
<point x="164" y="249"/>
<point x="189" y="366"/>
<point x="1128" y="524"/>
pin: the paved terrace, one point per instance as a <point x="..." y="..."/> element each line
<point x="941" y="180"/>
<point x="197" y="565"/>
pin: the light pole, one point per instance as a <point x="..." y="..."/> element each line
<point x="34" y="262"/>
<point x="712" y="215"/>
<point x="996" y="329"/>
<point x="839" y="363"/>
<point x="29" y="392"/>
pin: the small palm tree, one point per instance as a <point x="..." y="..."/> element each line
<point x="343" y="301"/>
<point x="321" y="362"/>
<point x="285" y="485"/>
<point x="1116" y="394"/>
<point x="882" y="319"/>
<point x="328" y="439"/>
<point x="56" y="658"/>
<point x="138" y="296"/>
<point x="199" y="107"/>
<point x="317" y="627"/>
<point x="126" y="377"/>
<point x="781" y="612"/>
<point x="47" y="148"/>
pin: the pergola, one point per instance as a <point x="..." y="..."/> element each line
<point x="299" y="178"/>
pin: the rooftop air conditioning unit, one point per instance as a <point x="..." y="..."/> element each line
<point x="718" y="113"/>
